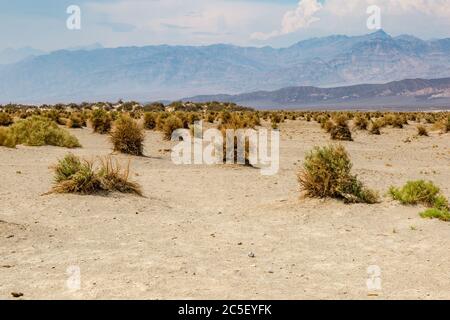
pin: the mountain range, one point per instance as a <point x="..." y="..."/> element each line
<point x="172" y="72"/>
<point x="405" y="94"/>
<point x="11" y="55"/>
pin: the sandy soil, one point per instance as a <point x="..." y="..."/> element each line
<point x="190" y="238"/>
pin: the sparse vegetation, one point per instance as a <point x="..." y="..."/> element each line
<point x="422" y="131"/>
<point x="424" y="193"/>
<point x="37" y="131"/>
<point x="443" y="125"/>
<point x="419" y="192"/>
<point x="327" y="173"/>
<point x="101" y="121"/>
<point x="73" y="175"/>
<point x="360" y="122"/>
<point x="434" y="213"/>
<point x="127" y="136"/>
<point x="6" y="140"/>
<point x="171" y="124"/>
<point x="150" y="120"/>
<point x="5" y="119"/>
<point x="76" y="121"/>
<point x="340" y="130"/>
<point x="374" y="127"/>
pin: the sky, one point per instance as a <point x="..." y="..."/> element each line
<point x="41" y="24"/>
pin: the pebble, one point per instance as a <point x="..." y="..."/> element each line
<point x="17" y="294"/>
<point x="251" y="255"/>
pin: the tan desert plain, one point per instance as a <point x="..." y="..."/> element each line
<point x="226" y="231"/>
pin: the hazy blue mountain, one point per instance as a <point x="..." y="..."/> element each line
<point x="88" y="47"/>
<point x="172" y="72"/>
<point x="10" y="55"/>
<point x="413" y="93"/>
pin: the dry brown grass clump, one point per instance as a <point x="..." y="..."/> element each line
<point x="5" y="119"/>
<point x="327" y="173"/>
<point x="171" y="124"/>
<point x="328" y="125"/>
<point x="235" y="156"/>
<point x="234" y="121"/>
<point x="341" y="132"/>
<point x="375" y="127"/>
<point x="150" y="120"/>
<point x="395" y="120"/>
<point x="210" y="117"/>
<point x="76" y="121"/>
<point x="443" y="125"/>
<point x="127" y="136"/>
<point x="360" y="122"/>
<point x="73" y="175"/>
<point x="6" y="140"/>
<point x="422" y="131"/>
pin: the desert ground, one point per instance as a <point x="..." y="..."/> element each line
<point x="225" y="232"/>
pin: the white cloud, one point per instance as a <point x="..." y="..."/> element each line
<point x="186" y="22"/>
<point x="437" y="8"/>
<point x="294" y="20"/>
<point x="301" y="17"/>
<point x="426" y="18"/>
<point x="200" y="22"/>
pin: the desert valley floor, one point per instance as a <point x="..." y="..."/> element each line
<point x="191" y="235"/>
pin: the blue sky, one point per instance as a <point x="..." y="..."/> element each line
<point x="42" y="23"/>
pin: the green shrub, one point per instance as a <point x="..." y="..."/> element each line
<point x="419" y="192"/>
<point x="39" y="131"/>
<point x="128" y="136"/>
<point x="67" y="167"/>
<point x="425" y="193"/>
<point x="327" y="173"/>
<point x="73" y="175"/>
<point x="434" y="213"/>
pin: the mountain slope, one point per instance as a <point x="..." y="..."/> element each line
<point x="10" y="55"/>
<point x="406" y="93"/>
<point x="171" y="72"/>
